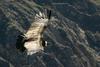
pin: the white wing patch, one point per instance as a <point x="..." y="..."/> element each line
<point x="35" y="33"/>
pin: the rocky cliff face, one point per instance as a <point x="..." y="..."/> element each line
<point x="73" y="34"/>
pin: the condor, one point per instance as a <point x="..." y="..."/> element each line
<point x="32" y="41"/>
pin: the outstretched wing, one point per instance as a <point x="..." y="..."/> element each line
<point x="36" y="29"/>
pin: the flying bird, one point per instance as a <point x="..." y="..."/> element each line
<point x="32" y="41"/>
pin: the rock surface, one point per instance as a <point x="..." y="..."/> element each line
<point x="73" y="34"/>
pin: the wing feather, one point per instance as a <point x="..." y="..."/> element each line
<point x="36" y="28"/>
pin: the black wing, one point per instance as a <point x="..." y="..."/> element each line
<point x="48" y="14"/>
<point x="20" y="43"/>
